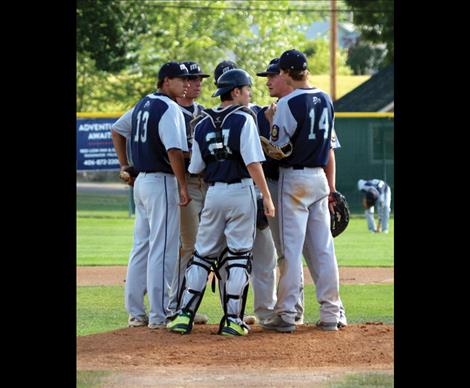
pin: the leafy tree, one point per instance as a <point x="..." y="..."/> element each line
<point x="106" y="31"/>
<point x="364" y="58"/>
<point x="318" y="56"/>
<point x="375" y="20"/>
<point x="205" y="31"/>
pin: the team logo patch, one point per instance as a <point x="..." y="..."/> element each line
<point x="274" y="132"/>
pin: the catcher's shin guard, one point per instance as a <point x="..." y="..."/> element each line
<point x="194" y="285"/>
<point x="234" y="291"/>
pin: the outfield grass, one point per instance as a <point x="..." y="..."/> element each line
<point x="105" y="235"/>
<point x="101" y="309"/>
<point x="372" y="379"/>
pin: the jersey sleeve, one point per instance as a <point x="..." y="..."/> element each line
<point x="284" y="124"/>
<point x="334" y="140"/>
<point x="250" y="145"/>
<point x="123" y="125"/>
<point x="196" y="164"/>
<point x="172" y="129"/>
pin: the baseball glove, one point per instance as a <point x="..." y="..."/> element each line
<point x="128" y="175"/>
<point x="261" y="219"/>
<point x="274" y="151"/>
<point x="340" y="216"/>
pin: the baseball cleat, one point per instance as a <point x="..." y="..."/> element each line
<point x="278" y="324"/>
<point x="327" y="326"/>
<point x="181" y="324"/>
<point x="299" y="320"/>
<point x="234" y="329"/>
<point x="200" y="319"/>
<point x="136" y="322"/>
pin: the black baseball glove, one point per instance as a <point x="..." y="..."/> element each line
<point x="340" y="216"/>
<point x="261" y="219"/>
<point x="128" y="175"/>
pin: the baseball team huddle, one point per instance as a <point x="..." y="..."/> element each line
<point x="238" y="190"/>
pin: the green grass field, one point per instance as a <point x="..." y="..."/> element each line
<point x="101" y="309"/>
<point x="105" y="235"/>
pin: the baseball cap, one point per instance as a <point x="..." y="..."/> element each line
<point x="173" y="69"/>
<point x="293" y="59"/>
<point x="194" y="69"/>
<point x="273" y="68"/>
<point x="222" y="67"/>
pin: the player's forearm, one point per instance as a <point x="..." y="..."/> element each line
<point x="256" y="172"/>
<point x="119" y="143"/>
<point x="330" y="171"/>
<point x="176" y="158"/>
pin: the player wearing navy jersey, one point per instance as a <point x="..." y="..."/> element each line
<point x="264" y="270"/>
<point x="157" y="142"/>
<point x="302" y="125"/>
<point x="227" y="146"/>
<point x="377" y="193"/>
<point x="277" y="87"/>
<point x="197" y="188"/>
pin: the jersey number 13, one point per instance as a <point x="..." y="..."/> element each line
<point x="142" y="120"/>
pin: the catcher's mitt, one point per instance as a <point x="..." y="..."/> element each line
<point x="261" y="219"/>
<point x="340" y="217"/>
<point x="274" y="151"/>
<point x="128" y="175"/>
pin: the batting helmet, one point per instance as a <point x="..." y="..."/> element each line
<point x="235" y="78"/>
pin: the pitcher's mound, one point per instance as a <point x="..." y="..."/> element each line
<point x="358" y="346"/>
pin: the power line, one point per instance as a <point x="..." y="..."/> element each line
<point x="285" y="10"/>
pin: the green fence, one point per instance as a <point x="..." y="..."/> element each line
<point x="367" y="144"/>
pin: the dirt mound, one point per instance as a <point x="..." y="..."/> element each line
<point x="358" y="345"/>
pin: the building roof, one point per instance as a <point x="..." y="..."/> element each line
<point x="374" y="95"/>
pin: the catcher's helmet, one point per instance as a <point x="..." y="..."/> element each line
<point x="235" y="78"/>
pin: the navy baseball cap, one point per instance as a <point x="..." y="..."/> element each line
<point x="273" y="68"/>
<point x="222" y="67"/>
<point x="195" y="70"/>
<point x="293" y="59"/>
<point x="173" y="69"/>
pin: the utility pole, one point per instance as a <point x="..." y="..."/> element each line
<point x="333" y="44"/>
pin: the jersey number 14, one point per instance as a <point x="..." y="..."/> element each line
<point x="323" y="124"/>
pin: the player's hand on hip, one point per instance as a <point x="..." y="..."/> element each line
<point x="184" y="197"/>
<point x="268" y="205"/>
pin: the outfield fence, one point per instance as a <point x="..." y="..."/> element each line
<point x="366" y="139"/>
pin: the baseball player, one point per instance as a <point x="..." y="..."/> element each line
<point x="302" y="126"/>
<point x="376" y="193"/>
<point x="226" y="145"/>
<point x="157" y="143"/>
<point x="224" y="66"/>
<point x="197" y="188"/>
<point x="279" y="88"/>
<point x="263" y="276"/>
